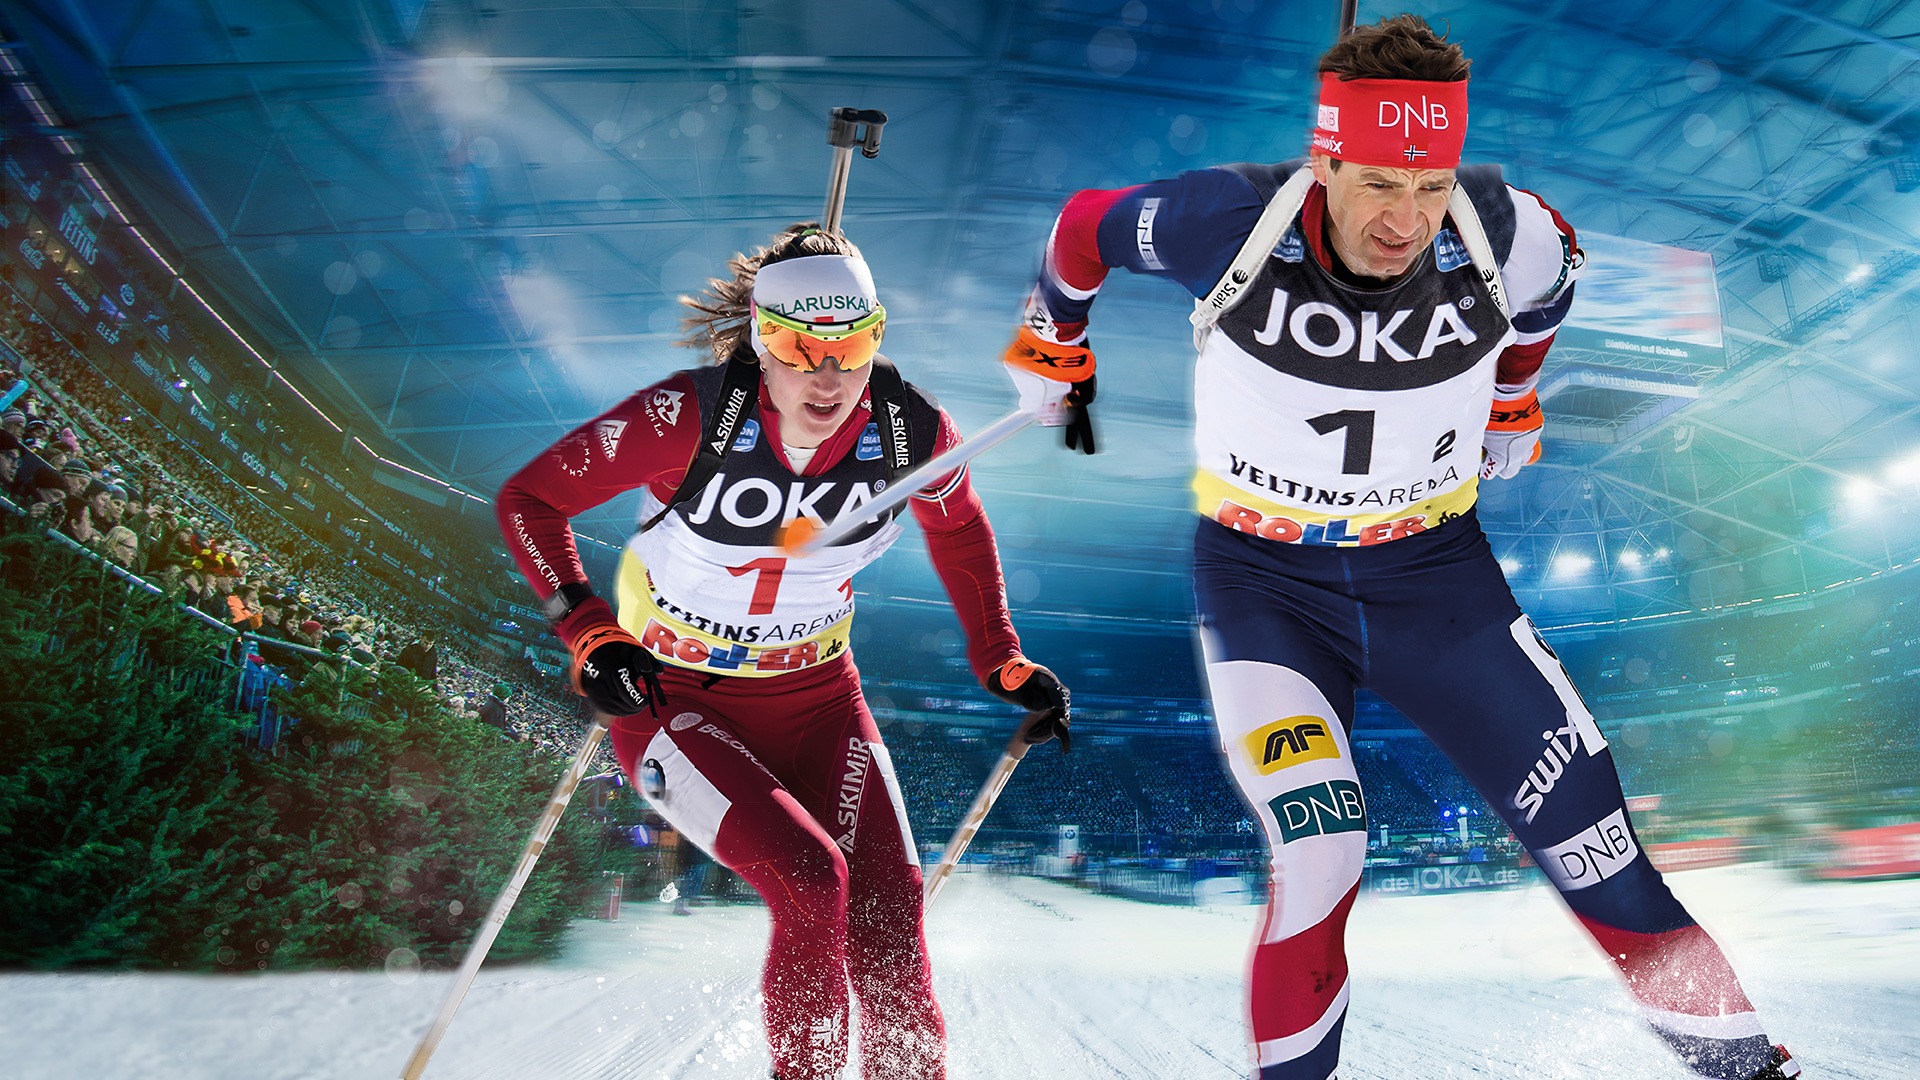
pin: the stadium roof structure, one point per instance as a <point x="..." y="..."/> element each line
<point x="461" y="227"/>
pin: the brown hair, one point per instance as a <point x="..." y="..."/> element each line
<point x="1403" y="47"/>
<point x="722" y="313"/>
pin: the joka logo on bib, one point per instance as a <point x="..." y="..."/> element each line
<point x="1328" y="331"/>
<point x="1288" y="742"/>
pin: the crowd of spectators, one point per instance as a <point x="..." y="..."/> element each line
<point x="1776" y="650"/>
<point x="79" y="457"/>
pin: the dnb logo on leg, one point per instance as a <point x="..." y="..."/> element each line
<point x="1289" y="742"/>
<point x="1319" y="810"/>
<point x="1593" y="855"/>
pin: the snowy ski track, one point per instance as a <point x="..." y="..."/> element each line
<point x="1037" y="980"/>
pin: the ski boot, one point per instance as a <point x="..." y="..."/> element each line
<point x="1779" y="1067"/>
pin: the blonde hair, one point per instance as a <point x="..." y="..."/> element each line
<point x="724" y="312"/>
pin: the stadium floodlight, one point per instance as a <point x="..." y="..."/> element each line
<point x="1509" y="565"/>
<point x="1905" y="471"/>
<point x="1571" y="564"/>
<point x="1630" y="559"/>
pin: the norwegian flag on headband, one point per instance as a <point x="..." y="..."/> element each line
<point x="1399" y="123"/>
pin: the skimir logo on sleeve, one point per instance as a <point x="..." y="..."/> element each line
<point x="1319" y="809"/>
<point x="1288" y="742"/>
<point x="1595" y="854"/>
<point x="610" y="432"/>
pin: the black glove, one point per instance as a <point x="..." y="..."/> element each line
<point x="619" y="677"/>
<point x="1022" y="682"/>
<point x="1080" y="428"/>
<point x="611" y="669"/>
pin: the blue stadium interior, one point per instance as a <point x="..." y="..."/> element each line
<point x="428" y="239"/>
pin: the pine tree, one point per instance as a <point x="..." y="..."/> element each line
<point x="146" y="829"/>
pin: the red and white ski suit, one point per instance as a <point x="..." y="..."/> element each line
<point x="763" y="750"/>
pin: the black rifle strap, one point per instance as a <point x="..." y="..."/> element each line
<point x="739" y="398"/>
<point x="889" y="394"/>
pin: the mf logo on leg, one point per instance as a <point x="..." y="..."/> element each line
<point x="1319" y="809"/>
<point x="1291" y="741"/>
<point x="1595" y="854"/>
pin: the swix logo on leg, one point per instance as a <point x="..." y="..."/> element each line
<point x="853" y="784"/>
<point x="1285" y="743"/>
<point x="1553" y="762"/>
<point x="1593" y="855"/>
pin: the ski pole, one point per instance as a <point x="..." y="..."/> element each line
<point x="1016" y="750"/>
<point x="503" y="903"/>
<point x="1347" y="11"/>
<point x="803" y="537"/>
<point x="847" y="128"/>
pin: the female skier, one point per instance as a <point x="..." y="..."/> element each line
<point x="728" y="666"/>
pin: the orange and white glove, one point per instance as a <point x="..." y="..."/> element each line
<point x="1055" y="381"/>
<point x="1022" y="682"/>
<point x="1513" y="436"/>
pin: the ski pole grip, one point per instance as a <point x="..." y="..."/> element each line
<point x="856" y="127"/>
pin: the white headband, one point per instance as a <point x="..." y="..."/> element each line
<point x="816" y="289"/>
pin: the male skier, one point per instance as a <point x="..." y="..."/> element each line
<point x="1366" y="360"/>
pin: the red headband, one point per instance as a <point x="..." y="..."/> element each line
<point x="1397" y="123"/>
